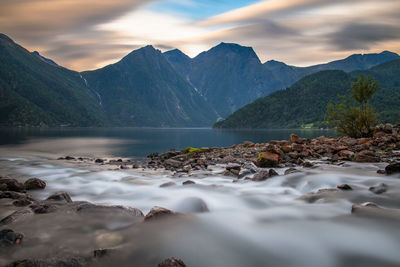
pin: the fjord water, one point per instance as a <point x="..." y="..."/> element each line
<point x="136" y="142"/>
<point x="248" y="224"/>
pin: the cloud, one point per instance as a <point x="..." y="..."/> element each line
<point x="56" y="28"/>
<point x="363" y="36"/>
<point x="88" y="34"/>
<point x="305" y="32"/>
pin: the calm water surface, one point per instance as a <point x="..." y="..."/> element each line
<point x="138" y="142"/>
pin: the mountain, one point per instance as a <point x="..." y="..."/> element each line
<point x="45" y="59"/>
<point x="287" y="74"/>
<point x="230" y="76"/>
<point x="143" y="89"/>
<point x="305" y="102"/>
<point x="34" y="92"/>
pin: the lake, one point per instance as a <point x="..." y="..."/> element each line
<point x="137" y="142"/>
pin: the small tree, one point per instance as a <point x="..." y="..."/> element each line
<point x="354" y="116"/>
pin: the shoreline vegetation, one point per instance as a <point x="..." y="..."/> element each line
<point x="247" y="161"/>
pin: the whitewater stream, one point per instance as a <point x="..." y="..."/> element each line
<point x="231" y="222"/>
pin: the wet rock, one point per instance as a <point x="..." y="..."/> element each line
<point x="34" y="183"/>
<point x="381" y="171"/>
<point x="56" y="262"/>
<point x="192" y="204"/>
<point x="346" y="154"/>
<point x="158" y="213"/>
<point x="233" y="168"/>
<point x="60" y="196"/>
<point x="14" y="195"/>
<point x="42" y="208"/>
<point x="117" y="209"/>
<point x="69" y="158"/>
<point x="366" y="156"/>
<point x="16" y="216"/>
<point x="379" y="189"/>
<point x="101" y="252"/>
<point x="248" y="144"/>
<point x="247" y="169"/>
<point x="267" y="159"/>
<point x="344" y="187"/>
<point x="169" y="154"/>
<point x="393" y="168"/>
<point x="291" y="170"/>
<point x="188" y="182"/>
<point x="9" y="184"/>
<point x="229" y="173"/>
<point x="308" y="164"/>
<point x="261" y="176"/>
<point x="172" y="262"/>
<point x="9" y="238"/>
<point x="173" y="163"/>
<point x="123" y="167"/>
<point x="22" y="202"/>
<point x="99" y="161"/>
<point x="168" y="184"/>
<point x="272" y="173"/>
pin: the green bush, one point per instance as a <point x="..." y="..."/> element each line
<point x="354" y="116"/>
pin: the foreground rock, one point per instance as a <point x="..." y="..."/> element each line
<point x="60" y="196"/>
<point x="393" y="168"/>
<point x="172" y="262"/>
<point x="158" y="213"/>
<point x="9" y="238"/>
<point x="56" y="262"/>
<point x="34" y="183"/>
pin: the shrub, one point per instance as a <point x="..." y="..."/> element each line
<point x="354" y="116"/>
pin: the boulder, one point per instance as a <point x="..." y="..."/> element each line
<point x="14" y="195"/>
<point x="291" y="170"/>
<point x="52" y="262"/>
<point x="188" y="182"/>
<point x="267" y="159"/>
<point x="173" y="163"/>
<point x="10" y="184"/>
<point x="393" y="168"/>
<point x="366" y="156"/>
<point x="261" y="176"/>
<point x="16" y="216"/>
<point x="60" y="196"/>
<point x="42" y="208"/>
<point x="157" y="213"/>
<point x="192" y="204"/>
<point x="22" y="202"/>
<point x="9" y="238"/>
<point x="99" y="161"/>
<point x="346" y="154"/>
<point x="344" y="187"/>
<point x="34" y="183"/>
<point x="90" y="208"/>
<point x="168" y="184"/>
<point x="379" y="189"/>
<point x="172" y="262"/>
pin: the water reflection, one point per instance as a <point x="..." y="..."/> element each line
<point x="137" y="142"/>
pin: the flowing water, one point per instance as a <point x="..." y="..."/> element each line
<point x="269" y="223"/>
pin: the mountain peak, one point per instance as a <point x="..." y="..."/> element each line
<point x="231" y="49"/>
<point x="5" y="37"/>
<point x="176" y="53"/>
<point x="274" y="63"/>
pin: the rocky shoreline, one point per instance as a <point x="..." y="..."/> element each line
<point x="248" y="158"/>
<point x="247" y="161"/>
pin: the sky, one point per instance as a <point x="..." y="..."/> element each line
<point x="90" y="34"/>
